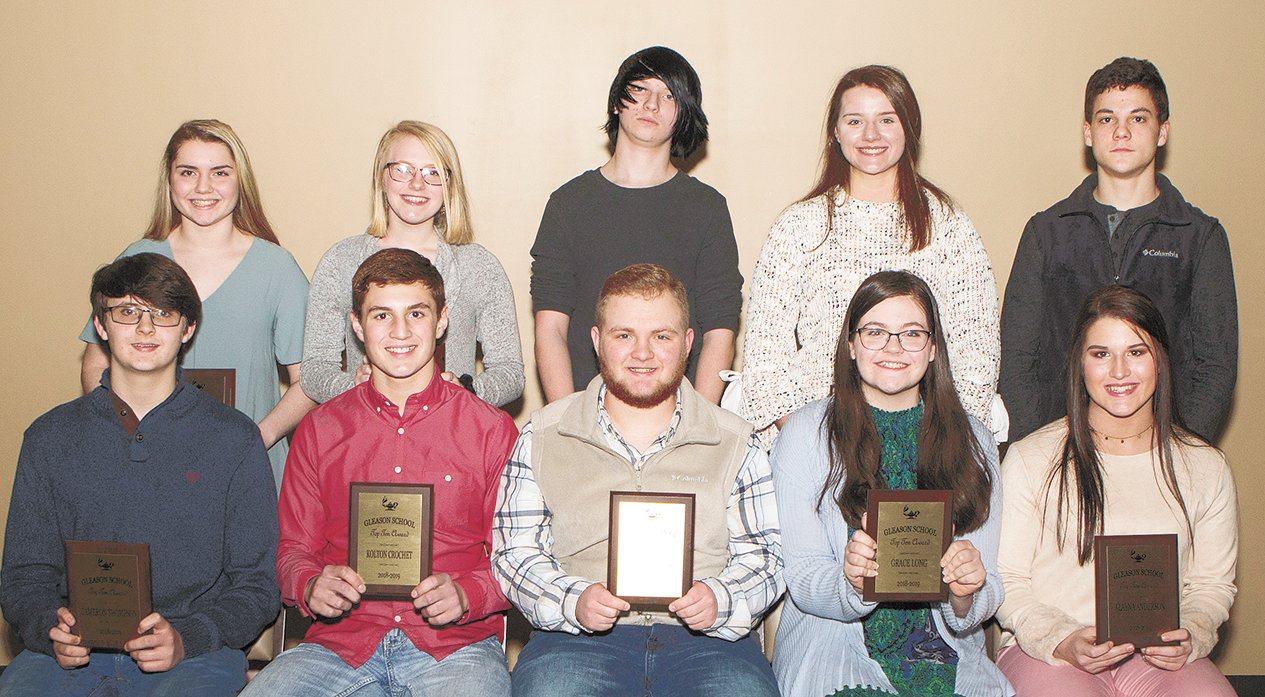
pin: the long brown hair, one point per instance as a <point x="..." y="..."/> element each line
<point x="949" y="455"/>
<point x="1079" y="465"/>
<point x="911" y="188"/>
<point x="248" y="216"/>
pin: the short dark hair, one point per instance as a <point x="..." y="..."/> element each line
<point x="1125" y="72"/>
<point x="151" y="278"/>
<point x="646" y="281"/>
<point x="690" y="130"/>
<point x="395" y="266"/>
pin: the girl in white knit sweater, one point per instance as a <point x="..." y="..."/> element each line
<point x="869" y="211"/>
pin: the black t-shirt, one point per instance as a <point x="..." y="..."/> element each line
<point x="592" y="228"/>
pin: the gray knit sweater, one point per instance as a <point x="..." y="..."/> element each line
<point x="480" y="309"/>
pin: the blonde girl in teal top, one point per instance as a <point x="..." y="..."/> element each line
<point x="208" y="217"/>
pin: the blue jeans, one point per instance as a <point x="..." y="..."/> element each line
<point x="214" y="674"/>
<point x="660" y="660"/>
<point x="396" y="669"/>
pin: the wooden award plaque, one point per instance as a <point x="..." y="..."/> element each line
<point x="1136" y="588"/>
<point x="220" y="383"/>
<point x="913" y="529"/>
<point x="650" y="557"/>
<point x="390" y="537"/>
<point x="109" y="588"/>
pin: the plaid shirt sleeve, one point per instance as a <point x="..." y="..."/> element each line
<point x="522" y="548"/>
<point x="752" y="580"/>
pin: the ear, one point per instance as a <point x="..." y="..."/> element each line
<point x="1163" y="135"/>
<point x="188" y="332"/>
<point x="852" y="353"/>
<point x="355" y="326"/>
<point x="689" y="339"/>
<point x="596" y="340"/>
<point x="442" y="325"/>
<point x="932" y="348"/>
<point x="101" y="332"/>
<point x="1089" y="135"/>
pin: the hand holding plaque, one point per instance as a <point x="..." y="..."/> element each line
<point x="911" y="530"/>
<point x="334" y="591"/>
<point x="650" y="558"/>
<point x="68" y="648"/>
<point x="389" y="540"/>
<point x="440" y="600"/>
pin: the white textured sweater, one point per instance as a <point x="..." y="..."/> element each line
<point x="802" y="287"/>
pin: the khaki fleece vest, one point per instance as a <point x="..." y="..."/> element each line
<point x="576" y="471"/>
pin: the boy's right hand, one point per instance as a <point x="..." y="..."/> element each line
<point x="333" y="591"/>
<point x="597" y="608"/>
<point x="66" y="648"/>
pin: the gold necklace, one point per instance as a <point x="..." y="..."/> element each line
<point x="1120" y="438"/>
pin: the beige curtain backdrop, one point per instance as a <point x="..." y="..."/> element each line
<point x="90" y="92"/>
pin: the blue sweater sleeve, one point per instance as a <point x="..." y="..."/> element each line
<point x="985" y="539"/>
<point x="33" y="575"/>
<point x="812" y="540"/>
<point x="251" y="602"/>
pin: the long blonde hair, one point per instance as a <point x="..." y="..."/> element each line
<point x="248" y="216"/>
<point x="453" y="220"/>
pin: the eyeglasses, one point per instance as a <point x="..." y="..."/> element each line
<point x="403" y="172"/>
<point x="131" y="314"/>
<point x="875" y="339"/>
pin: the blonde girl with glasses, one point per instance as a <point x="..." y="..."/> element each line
<point x="419" y="203"/>
<point x="209" y="218"/>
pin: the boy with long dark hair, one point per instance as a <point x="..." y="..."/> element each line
<point x="638" y="207"/>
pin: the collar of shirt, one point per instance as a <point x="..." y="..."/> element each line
<point x="127" y="417"/>
<point x="418" y="406"/>
<point x="617" y="442"/>
<point x="125" y="413"/>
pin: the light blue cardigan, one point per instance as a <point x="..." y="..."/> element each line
<point x="820" y="644"/>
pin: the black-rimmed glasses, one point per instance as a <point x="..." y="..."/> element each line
<point x="875" y="339"/>
<point x="131" y="314"/>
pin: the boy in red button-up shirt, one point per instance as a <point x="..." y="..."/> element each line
<point x="401" y="426"/>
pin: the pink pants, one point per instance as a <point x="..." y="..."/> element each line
<point x="1132" y="678"/>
